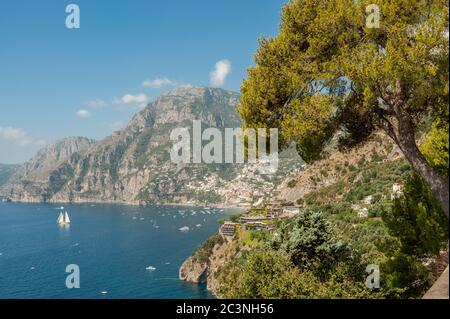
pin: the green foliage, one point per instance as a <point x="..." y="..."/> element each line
<point x="59" y="178"/>
<point x="259" y="235"/>
<point x="234" y="217"/>
<point x="324" y="50"/>
<point x="406" y="277"/>
<point x="265" y="274"/>
<point x="308" y="239"/>
<point x="203" y="252"/>
<point x="292" y="183"/>
<point x="417" y="220"/>
<point x="142" y="147"/>
<point x="270" y="273"/>
<point x="435" y="147"/>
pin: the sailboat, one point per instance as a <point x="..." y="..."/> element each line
<point x="63" y="218"/>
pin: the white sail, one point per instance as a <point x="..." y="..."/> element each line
<point x="60" y="218"/>
<point x="66" y="218"/>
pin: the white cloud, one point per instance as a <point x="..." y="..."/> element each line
<point x="19" y="136"/>
<point x="157" y="83"/>
<point x="219" y="74"/>
<point x="130" y="98"/>
<point x="12" y="133"/>
<point x="95" y="103"/>
<point x="140" y="100"/>
<point x="83" y="113"/>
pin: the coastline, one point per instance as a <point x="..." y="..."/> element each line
<point x="135" y="203"/>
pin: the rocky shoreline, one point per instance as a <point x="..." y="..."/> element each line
<point x="196" y="269"/>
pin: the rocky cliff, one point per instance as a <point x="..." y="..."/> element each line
<point x="206" y="261"/>
<point x="29" y="181"/>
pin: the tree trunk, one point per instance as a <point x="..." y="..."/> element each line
<point x="438" y="185"/>
<point x="405" y="139"/>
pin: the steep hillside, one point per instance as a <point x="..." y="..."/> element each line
<point x="6" y="171"/>
<point x="29" y="182"/>
<point x="340" y="172"/>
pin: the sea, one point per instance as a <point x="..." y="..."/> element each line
<point x="119" y="251"/>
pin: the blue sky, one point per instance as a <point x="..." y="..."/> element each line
<point x="57" y="82"/>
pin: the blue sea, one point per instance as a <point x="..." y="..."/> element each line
<point x="112" y="245"/>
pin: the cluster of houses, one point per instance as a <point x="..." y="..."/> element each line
<point x="258" y="222"/>
<point x="261" y="219"/>
<point x="363" y="212"/>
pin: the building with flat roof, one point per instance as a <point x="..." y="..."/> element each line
<point x="228" y="229"/>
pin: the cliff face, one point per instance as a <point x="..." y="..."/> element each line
<point x="6" y="171"/>
<point x="29" y="181"/>
<point x="206" y="261"/>
<point x="194" y="271"/>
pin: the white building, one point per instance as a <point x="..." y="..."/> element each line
<point x="367" y="200"/>
<point x="363" y="213"/>
<point x="397" y="190"/>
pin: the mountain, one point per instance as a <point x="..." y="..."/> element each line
<point x="6" y="171"/>
<point x="133" y="165"/>
<point x="30" y="180"/>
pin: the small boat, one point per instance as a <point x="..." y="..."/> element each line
<point x="63" y="218"/>
<point x="198" y="225"/>
<point x="103" y="292"/>
<point x="151" y="268"/>
<point x="184" y="229"/>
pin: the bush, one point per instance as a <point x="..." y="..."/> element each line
<point x="292" y="183"/>
<point x="417" y="220"/>
<point x="234" y="217"/>
<point x="205" y="249"/>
